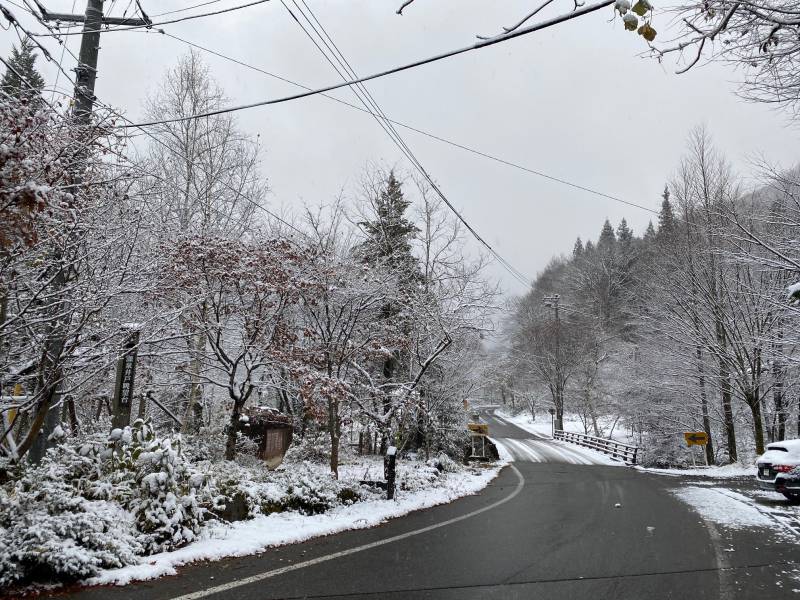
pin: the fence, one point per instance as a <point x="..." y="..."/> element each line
<point x="624" y="452"/>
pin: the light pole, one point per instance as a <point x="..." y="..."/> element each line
<point x="553" y="422"/>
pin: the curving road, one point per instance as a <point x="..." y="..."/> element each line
<point x="553" y="526"/>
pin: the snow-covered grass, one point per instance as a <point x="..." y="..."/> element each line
<point x="265" y="531"/>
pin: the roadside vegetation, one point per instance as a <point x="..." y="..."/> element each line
<point x="355" y="320"/>
<point x="687" y="326"/>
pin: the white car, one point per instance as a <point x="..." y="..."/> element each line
<point x="781" y="458"/>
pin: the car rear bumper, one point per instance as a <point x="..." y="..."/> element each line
<point x="766" y="484"/>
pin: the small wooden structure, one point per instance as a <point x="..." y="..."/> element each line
<point x="271" y="430"/>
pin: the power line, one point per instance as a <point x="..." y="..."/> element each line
<point x="368" y="100"/>
<point x="428" y="134"/>
<point x="169" y="22"/>
<point x="179" y="10"/>
<point x="480" y="44"/>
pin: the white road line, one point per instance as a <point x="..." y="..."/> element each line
<point x="321" y="559"/>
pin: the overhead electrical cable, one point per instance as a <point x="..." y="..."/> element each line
<point x="428" y="134"/>
<point x="480" y="44"/>
<point x="368" y="100"/>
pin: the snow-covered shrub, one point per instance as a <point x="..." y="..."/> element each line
<point x="98" y="504"/>
<point x="299" y="487"/>
<point x="50" y="532"/>
<point x="164" y="500"/>
<point x="444" y="464"/>
<point x="315" y="449"/>
<point x="417" y="476"/>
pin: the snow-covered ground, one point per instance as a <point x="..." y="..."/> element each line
<point x="716" y="472"/>
<point x="723" y="507"/>
<point x="523" y="421"/>
<point x="542" y="425"/>
<point x="262" y="532"/>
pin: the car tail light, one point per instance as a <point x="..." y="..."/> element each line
<point x="783" y="468"/>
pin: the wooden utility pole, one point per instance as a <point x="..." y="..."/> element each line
<point x="86" y="71"/>
<point x="553" y="302"/>
<point x="51" y="368"/>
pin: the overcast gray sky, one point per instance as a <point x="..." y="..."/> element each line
<point x="576" y="101"/>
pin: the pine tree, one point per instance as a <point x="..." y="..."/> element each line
<point x="607" y="238"/>
<point x="22" y="74"/>
<point x="589" y="247"/>
<point x="650" y="232"/>
<point x="624" y="233"/>
<point x="390" y="233"/>
<point x="577" y="250"/>
<point x="666" y="218"/>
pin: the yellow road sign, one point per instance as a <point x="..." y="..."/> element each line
<point x="482" y="428"/>
<point x="696" y="438"/>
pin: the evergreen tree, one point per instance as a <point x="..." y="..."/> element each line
<point x="577" y="250"/>
<point x="624" y="233"/>
<point x="21" y="70"/>
<point x="589" y="247"/>
<point x="666" y="218"/>
<point x="650" y="232"/>
<point x="390" y="233"/>
<point x="607" y="238"/>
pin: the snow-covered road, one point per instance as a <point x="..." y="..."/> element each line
<point x="526" y="445"/>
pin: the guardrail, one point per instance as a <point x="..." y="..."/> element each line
<point x="624" y="452"/>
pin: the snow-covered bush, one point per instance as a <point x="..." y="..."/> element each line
<point x="300" y="487"/>
<point x="416" y="477"/>
<point x="444" y="464"/>
<point x="315" y="449"/>
<point x="51" y="529"/>
<point x="99" y="504"/>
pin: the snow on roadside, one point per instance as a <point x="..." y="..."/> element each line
<point x="253" y="536"/>
<point x="730" y="509"/>
<point x="523" y="421"/>
<point x="721" y="472"/>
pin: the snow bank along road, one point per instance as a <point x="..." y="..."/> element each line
<point x="561" y="523"/>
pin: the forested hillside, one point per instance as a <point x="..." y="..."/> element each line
<point x="687" y="326"/>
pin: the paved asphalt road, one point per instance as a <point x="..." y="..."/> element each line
<point x="559" y="536"/>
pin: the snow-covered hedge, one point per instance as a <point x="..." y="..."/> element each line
<point x="98" y="504"/>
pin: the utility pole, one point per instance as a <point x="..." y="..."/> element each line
<point x="86" y="71"/>
<point x="51" y="368"/>
<point x="553" y="301"/>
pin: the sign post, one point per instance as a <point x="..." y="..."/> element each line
<point x="696" y="438"/>
<point x="126" y="373"/>
<point x="389" y="469"/>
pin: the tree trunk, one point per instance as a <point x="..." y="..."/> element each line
<point x="727" y="411"/>
<point x="334" y="428"/>
<point x="777" y="393"/>
<point x="197" y="346"/>
<point x="233" y="429"/>
<point x="754" y="402"/>
<point x="701" y="382"/>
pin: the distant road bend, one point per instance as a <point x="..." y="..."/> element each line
<point x="554" y="525"/>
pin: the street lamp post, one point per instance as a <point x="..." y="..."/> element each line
<point x="553" y="422"/>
